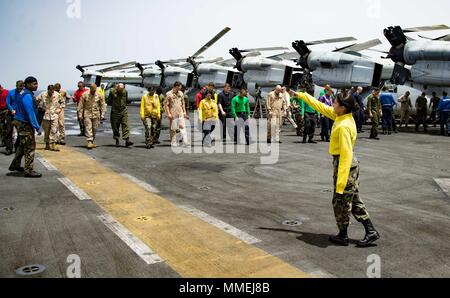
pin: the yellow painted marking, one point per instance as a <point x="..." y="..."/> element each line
<point x="190" y="246"/>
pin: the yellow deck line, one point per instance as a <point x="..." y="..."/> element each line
<point x="190" y="246"/>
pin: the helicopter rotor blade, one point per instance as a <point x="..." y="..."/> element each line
<point x="118" y="67"/>
<point x="264" y="49"/>
<point x="100" y="64"/>
<point x="426" y="28"/>
<point x="360" y="46"/>
<point x="211" y="42"/>
<point x="332" y="40"/>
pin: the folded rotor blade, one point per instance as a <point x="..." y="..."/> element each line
<point x="426" y="28"/>
<point x="360" y="46"/>
<point x="264" y="49"/>
<point x="332" y="40"/>
<point x="211" y="42"/>
<point x="118" y="67"/>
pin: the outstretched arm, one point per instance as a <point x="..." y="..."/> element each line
<point x="317" y="105"/>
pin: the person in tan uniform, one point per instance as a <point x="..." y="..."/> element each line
<point x="175" y="109"/>
<point x="50" y="101"/>
<point x="276" y="108"/>
<point x="91" y="109"/>
<point x="65" y="97"/>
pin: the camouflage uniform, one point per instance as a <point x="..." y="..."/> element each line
<point x="297" y="112"/>
<point x="26" y="148"/>
<point x="158" y="126"/>
<point x="61" y="118"/>
<point x="51" y="104"/>
<point x="275" y="105"/>
<point x="374" y="106"/>
<point x="92" y="108"/>
<point x="350" y="201"/>
<point x="174" y="103"/>
<point x="119" y="114"/>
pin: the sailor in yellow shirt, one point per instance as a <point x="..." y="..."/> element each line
<point x="346" y="198"/>
<point x="208" y="115"/>
<point x="150" y="116"/>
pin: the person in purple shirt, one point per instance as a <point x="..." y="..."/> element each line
<point x="11" y="102"/>
<point x="325" y="123"/>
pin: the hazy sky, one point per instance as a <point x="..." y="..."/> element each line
<point x="48" y="38"/>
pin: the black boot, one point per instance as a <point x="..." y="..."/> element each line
<point x="128" y="143"/>
<point x="341" y="238"/>
<point x="371" y="234"/>
<point x="33" y="174"/>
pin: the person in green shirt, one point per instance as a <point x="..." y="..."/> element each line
<point x="309" y="116"/>
<point x="240" y="110"/>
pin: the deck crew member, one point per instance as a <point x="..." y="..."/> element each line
<point x="240" y="110"/>
<point x="444" y="111"/>
<point x="346" y="198"/>
<point x="387" y="105"/>
<point x="208" y="115"/>
<point x="150" y="113"/>
<point x="405" y="108"/>
<point x="225" y="99"/>
<point x="76" y="98"/>
<point x="422" y="111"/>
<point x="11" y="102"/>
<point x="27" y="126"/>
<point x="375" y="112"/>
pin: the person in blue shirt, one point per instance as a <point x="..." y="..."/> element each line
<point x="387" y="105"/>
<point x="27" y="125"/>
<point x="11" y="103"/>
<point x="444" y="110"/>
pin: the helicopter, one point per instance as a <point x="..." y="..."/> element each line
<point x="422" y="64"/>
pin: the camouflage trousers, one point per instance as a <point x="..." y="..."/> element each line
<point x="26" y="148"/>
<point x="61" y="126"/>
<point x="152" y="130"/>
<point x="3" y="116"/>
<point x="349" y="202"/>
<point x="119" y="119"/>
<point x="300" y="122"/>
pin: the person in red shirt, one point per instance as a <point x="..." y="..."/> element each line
<point x="3" y="114"/>
<point x="199" y="97"/>
<point x="76" y="98"/>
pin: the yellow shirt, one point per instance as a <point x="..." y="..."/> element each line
<point x="101" y="92"/>
<point x="208" y="110"/>
<point x="150" y="106"/>
<point x="343" y="138"/>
